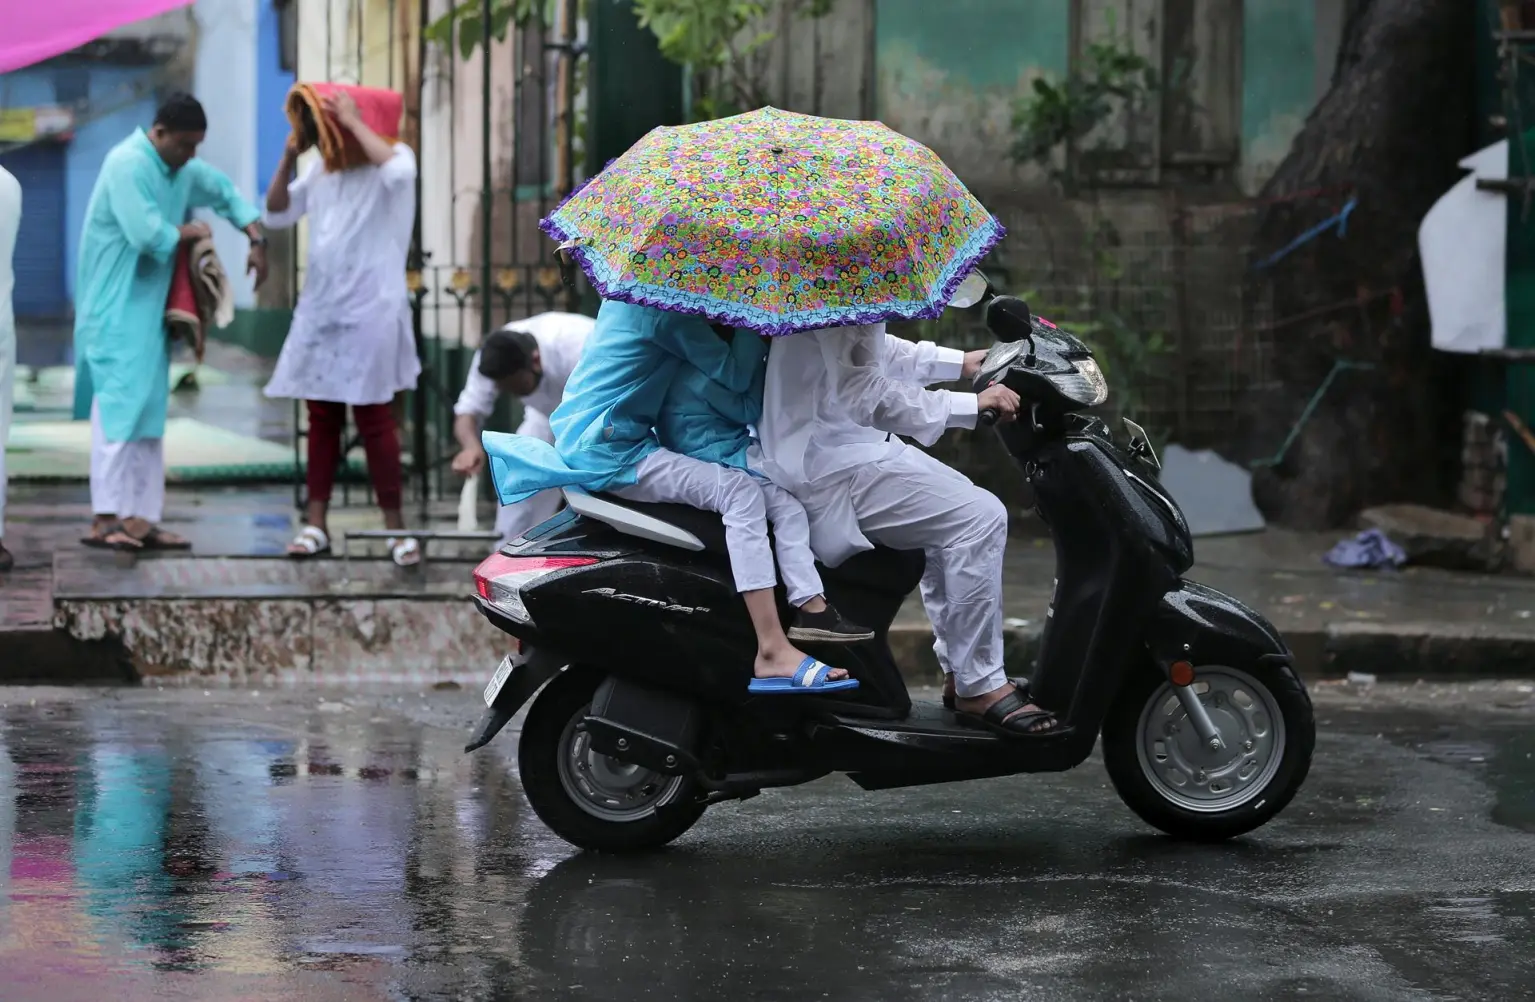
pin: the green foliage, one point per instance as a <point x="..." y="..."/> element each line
<point x="1056" y="114"/>
<point x="466" y="21"/>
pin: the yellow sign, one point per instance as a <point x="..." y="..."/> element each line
<point x="22" y="125"/>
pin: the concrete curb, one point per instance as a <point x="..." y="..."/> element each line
<point x="334" y="640"/>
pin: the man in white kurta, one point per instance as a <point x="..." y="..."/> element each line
<point x="352" y="342"/>
<point x="10" y="223"/>
<point x="834" y="403"/>
<point x="532" y="360"/>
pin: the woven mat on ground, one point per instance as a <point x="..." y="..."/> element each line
<point x="194" y="453"/>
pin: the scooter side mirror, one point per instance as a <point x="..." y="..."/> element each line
<point x="1008" y="317"/>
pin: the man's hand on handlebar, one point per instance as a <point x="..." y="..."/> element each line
<point x="972" y="364"/>
<point x="1001" y="401"/>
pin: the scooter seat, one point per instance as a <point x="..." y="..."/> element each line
<point x="880" y="569"/>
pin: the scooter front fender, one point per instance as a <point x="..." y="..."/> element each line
<point x="528" y="675"/>
<point x="1205" y="627"/>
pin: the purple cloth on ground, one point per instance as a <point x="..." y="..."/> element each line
<point x="1371" y="548"/>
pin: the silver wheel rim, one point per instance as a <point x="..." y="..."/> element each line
<point x="603" y="786"/>
<point x="1184" y="771"/>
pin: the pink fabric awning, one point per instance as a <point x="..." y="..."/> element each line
<point x="33" y="31"/>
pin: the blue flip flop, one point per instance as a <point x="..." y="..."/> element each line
<point x="809" y="677"/>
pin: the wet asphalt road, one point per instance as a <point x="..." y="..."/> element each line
<point x="239" y="845"/>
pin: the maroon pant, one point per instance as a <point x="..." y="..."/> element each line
<point x="380" y="440"/>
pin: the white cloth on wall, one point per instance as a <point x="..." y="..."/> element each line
<point x="127" y="478"/>
<point x="10" y="225"/>
<point x="1462" y="242"/>
<point x="351" y="340"/>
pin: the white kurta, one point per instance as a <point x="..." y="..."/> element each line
<point x="560" y="337"/>
<point x="834" y="402"/>
<point x="10" y="223"/>
<point x="351" y="341"/>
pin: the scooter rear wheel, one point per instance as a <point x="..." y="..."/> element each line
<point x="1166" y="774"/>
<point x="591" y="800"/>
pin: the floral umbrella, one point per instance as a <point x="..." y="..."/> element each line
<point x="779" y="222"/>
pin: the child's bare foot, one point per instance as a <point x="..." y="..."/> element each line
<point x="784" y="662"/>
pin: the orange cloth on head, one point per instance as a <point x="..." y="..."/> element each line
<point x="379" y="109"/>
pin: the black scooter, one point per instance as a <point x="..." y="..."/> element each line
<point x="639" y="649"/>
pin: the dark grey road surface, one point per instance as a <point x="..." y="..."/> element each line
<point x="244" y="845"/>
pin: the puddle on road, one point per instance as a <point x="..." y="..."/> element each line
<point x="131" y="848"/>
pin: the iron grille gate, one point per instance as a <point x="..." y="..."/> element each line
<point x="495" y="134"/>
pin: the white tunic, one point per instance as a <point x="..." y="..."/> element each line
<point x="834" y="400"/>
<point x="10" y="224"/>
<point x="560" y="337"/>
<point x="351" y="341"/>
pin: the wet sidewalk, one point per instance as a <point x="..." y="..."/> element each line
<point x="237" y="612"/>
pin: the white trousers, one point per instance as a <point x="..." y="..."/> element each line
<point x="127" y="478"/>
<point x="910" y="501"/>
<point x="747" y="504"/>
<point x="7" y="389"/>
<point x="512" y="520"/>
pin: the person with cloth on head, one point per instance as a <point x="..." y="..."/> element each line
<point x="10" y="225"/>
<point x="135" y="221"/>
<point x="834" y="402"/>
<point x="531" y="359"/>
<point x="605" y="440"/>
<point x="352" y="343"/>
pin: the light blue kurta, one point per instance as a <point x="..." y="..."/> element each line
<point x="703" y="418"/>
<point x="605" y="425"/>
<point x="127" y="258"/>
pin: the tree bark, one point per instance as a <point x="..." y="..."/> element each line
<point x="1391" y="129"/>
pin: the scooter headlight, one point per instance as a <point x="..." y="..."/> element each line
<point x="1085" y="385"/>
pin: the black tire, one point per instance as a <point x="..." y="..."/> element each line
<point x="567" y="696"/>
<point x="1120" y="757"/>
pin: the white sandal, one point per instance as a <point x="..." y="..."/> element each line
<point x="404" y="552"/>
<point x="311" y="542"/>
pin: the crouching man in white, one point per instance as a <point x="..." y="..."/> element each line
<point x="531" y="359"/>
<point x="834" y="402"/>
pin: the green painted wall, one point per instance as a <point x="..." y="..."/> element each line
<point x="948" y="73"/>
<point x="1278" y="81"/>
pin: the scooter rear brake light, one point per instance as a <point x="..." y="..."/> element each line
<point x="500" y="579"/>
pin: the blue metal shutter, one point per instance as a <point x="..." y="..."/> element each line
<point x="39" y="263"/>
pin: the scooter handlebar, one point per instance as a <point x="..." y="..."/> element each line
<point x="989" y="416"/>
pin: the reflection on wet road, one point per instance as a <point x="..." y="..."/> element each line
<point x="252" y="846"/>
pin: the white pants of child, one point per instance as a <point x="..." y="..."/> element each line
<point x="747" y="504"/>
<point x="127" y="478"/>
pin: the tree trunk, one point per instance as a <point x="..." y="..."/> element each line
<point x="1391" y="129"/>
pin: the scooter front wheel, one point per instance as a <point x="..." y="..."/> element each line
<point x="1173" y="779"/>
<point x="591" y="800"/>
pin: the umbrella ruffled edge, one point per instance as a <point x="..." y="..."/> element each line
<point x="724" y="314"/>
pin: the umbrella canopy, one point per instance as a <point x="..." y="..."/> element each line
<point x="778" y="222"/>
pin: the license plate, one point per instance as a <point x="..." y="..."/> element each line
<point x="503" y="672"/>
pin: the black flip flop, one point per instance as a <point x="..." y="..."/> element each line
<point x="154" y="539"/>
<point x="995" y="719"/>
<point x="98" y="540"/>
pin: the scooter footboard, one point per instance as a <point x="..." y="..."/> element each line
<point x="1205" y="627"/>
